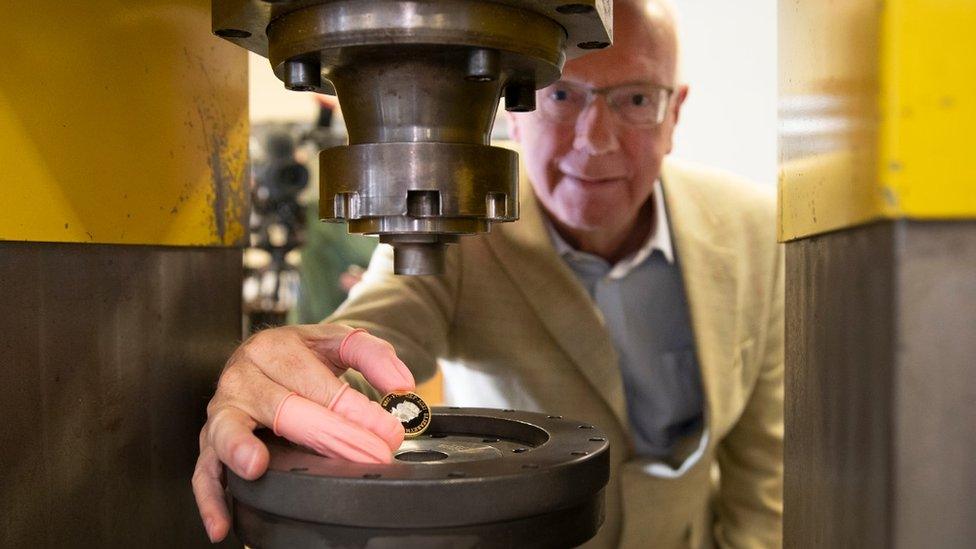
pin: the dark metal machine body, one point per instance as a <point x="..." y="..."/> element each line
<point x="477" y="478"/>
<point x="419" y="83"/>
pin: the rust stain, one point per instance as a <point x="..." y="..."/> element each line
<point x="224" y="158"/>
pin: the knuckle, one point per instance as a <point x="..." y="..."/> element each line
<point x="231" y="379"/>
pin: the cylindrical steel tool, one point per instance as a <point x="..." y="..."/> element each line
<point x="477" y="478"/>
<point x="419" y="82"/>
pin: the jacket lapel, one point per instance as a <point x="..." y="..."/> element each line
<point x="565" y="308"/>
<point x="552" y="290"/>
<point x="709" y="274"/>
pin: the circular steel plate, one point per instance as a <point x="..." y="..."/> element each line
<point x="474" y="471"/>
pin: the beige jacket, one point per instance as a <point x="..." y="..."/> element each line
<point x="512" y="327"/>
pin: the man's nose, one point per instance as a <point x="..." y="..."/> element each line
<point x="596" y="129"/>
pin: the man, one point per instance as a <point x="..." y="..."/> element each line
<point x="640" y="296"/>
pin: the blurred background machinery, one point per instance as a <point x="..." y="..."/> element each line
<point x="878" y="211"/>
<point x="419" y="83"/>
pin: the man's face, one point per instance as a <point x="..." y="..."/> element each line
<point x="595" y="172"/>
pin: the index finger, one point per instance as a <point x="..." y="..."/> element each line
<point x="340" y="347"/>
<point x="376" y="359"/>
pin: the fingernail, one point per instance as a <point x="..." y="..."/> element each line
<point x="405" y="374"/>
<point x="208" y="524"/>
<point x="244" y="457"/>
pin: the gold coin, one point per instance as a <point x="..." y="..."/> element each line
<point x="410" y="409"/>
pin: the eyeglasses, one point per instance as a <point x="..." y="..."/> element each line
<point x="640" y="104"/>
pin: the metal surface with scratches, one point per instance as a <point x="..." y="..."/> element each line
<point x="121" y="123"/>
<point x="109" y="355"/>
<point x="880" y="386"/>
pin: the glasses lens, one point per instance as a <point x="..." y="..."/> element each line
<point x="562" y="102"/>
<point x="639" y="104"/>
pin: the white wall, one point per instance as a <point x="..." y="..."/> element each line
<point x="729" y="60"/>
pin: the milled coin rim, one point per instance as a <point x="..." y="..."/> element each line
<point x="426" y="412"/>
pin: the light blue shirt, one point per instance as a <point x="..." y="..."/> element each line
<point x="645" y="309"/>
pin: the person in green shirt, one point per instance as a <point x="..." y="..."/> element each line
<point x="332" y="260"/>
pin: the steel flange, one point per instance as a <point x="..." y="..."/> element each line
<point x="476" y="478"/>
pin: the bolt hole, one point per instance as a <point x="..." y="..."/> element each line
<point x="421" y="456"/>
<point x="530" y="466"/>
<point x="598" y="439"/>
<point x="520" y="450"/>
<point x="456" y="474"/>
<point x="372" y="475"/>
<point x="232" y="33"/>
<point x="579" y="453"/>
<point x="585" y="427"/>
<point x="592" y="45"/>
<point x="554" y="417"/>
<point x="298" y="469"/>
<point x="489" y="440"/>
<point x="574" y="9"/>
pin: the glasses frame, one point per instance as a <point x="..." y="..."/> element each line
<point x="591" y="94"/>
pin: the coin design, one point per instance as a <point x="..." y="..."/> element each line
<point x="410" y="409"/>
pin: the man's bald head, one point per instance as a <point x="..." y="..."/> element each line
<point x="652" y="26"/>
<point x="594" y="172"/>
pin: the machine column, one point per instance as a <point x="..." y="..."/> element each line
<point x="123" y="185"/>
<point x="878" y="212"/>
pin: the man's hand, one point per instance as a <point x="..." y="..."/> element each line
<point x="287" y="378"/>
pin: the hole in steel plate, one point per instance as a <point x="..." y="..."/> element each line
<point x="554" y="417"/>
<point x="232" y="33"/>
<point x="579" y="453"/>
<point x="421" y="455"/>
<point x="520" y="450"/>
<point x="489" y="440"/>
<point x="598" y="439"/>
<point x="372" y="475"/>
<point x="456" y="474"/>
<point x="585" y="427"/>
<point x="574" y="8"/>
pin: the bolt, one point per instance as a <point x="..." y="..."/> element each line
<point x="482" y="65"/>
<point x="520" y="96"/>
<point x="301" y="75"/>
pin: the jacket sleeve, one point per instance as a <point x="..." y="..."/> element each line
<point x="414" y="313"/>
<point x="750" y="457"/>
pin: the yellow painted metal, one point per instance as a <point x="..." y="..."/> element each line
<point x="121" y="122"/>
<point x="877" y="114"/>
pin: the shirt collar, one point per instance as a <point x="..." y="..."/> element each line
<point x="658" y="239"/>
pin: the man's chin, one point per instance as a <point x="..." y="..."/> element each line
<point x="587" y="221"/>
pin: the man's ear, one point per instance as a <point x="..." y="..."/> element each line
<point x="513" y="127"/>
<point x="680" y="95"/>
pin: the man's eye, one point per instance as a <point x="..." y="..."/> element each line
<point x="560" y="95"/>
<point x="638" y="100"/>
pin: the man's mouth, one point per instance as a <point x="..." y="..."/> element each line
<point x="591" y="180"/>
